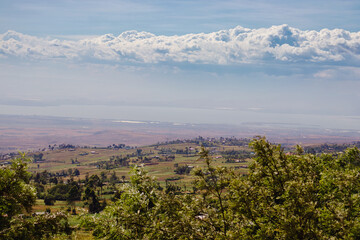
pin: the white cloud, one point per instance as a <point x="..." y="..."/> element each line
<point x="340" y="73"/>
<point x="329" y="73"/>
<point x="233" y="46"/>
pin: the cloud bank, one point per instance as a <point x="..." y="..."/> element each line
<point x="226" y="47"/>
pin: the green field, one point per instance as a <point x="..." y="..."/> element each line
<point x="160" y="161"/>
<point x="61" y="159"/>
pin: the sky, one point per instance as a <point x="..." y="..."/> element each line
<point x="188" y="61"/>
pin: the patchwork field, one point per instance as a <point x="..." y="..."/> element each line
<point x="159" y="160"/>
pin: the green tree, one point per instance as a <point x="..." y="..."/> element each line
<point x="49" y="199"/>
<point x="16" y="194"/>
<point x="38" y="227"/>
<point x="299" y="196"/>
<point x="212" y="183"/>
<point x="92" y="200"/>
<point x="296" y="197"/>
<point x="134" y="206"/>
<point x="74" y="194"/>
<point x="103" y="176"/>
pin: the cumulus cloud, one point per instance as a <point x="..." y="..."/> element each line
<point x="226" y="47"/>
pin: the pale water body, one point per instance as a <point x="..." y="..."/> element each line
<point x="188" y="115"/>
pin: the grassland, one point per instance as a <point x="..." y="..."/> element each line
<point x="159" y="160"/>
<point x="87" y="158"/>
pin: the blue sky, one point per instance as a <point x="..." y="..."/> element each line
<point x="278" y="57"/>
<point x="68" y="17"/>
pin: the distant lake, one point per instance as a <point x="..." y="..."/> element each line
<point x="188" y="115"/>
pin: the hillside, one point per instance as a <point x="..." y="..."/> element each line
<point x="160" y="160"/>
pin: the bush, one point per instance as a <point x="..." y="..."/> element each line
<point x="49" y="200"/>
<point x="182" y="169"/>
<point x="38" y="227"/>
<point x="299" y="196"/>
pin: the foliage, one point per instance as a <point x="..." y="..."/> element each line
<point x="330" y="148"/>
<point x="92" y="201"/>
<point x="52" y="177"/>
<point x="38" y="227"/>
<point x="90" y="196"/>
<point x="38" y="157"/>
<point x="113" y="162"/>
<point x="298" y="196"/>
<point x="182" y="169"/>
<point x="49" y="200"/>
<point x="66" y="146"/>
<point x="16" y="194"/>
<point x="69" y="192"/>
<point x="113" y="178"/>
<point x="233" y="154"/>
<point x="212" y="183"/>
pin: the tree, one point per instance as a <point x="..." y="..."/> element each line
<point x="73" y="194"/>
<point x="211" y="183"/>
<point x="296" y="197"/>
<point x="54" y="180"/>
<point x="76" y="172"/>
<point x="182" y="169"/>
<point x="38" y="157"/>
<point x="299" y="196"/>
<point x="92" y="200"/>
<point x="94" y="181"/>
<point x="49" y="199"/>
<point x="134" y="203"/>
<point x="37" y="227"/>
<point x="138" y="152"/>
<point x="113" y="178"/>
<point x="103" y="176"/>
<point x="16" y="194"/>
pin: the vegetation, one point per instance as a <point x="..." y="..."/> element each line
<point x="70" y="191"/>
<point x="37" y="227"/>
<point x="330" y="148"/>
<point x="17" y="196"/>
<point x="298" y="196"/>
<point x="183" y="169"/>
<point x="281" y="195"/>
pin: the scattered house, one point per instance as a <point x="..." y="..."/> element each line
<point x="239" y="160"/>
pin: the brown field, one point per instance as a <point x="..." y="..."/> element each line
<point x="35" y="132"/>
